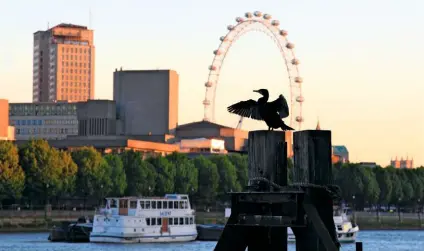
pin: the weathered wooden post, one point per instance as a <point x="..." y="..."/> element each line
<point x="267" y="159"/>
<point x="313" y="170"/>
<point x="267" y="164"/>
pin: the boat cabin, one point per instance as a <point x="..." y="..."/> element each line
<point x="138" y="206"/>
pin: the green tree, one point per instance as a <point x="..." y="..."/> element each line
<point x="241" y="165"/>
<point x="68" y="173"/>
<point x="227" y="175"/>
<point x="385" y="184"/>
<point x="165" y="175"/>
<point x="208" y="181"/>
<point x="186" y="177"/>
<point x="141" y="175"/>
<point x="43" y="174"/>
<point x="12" y="177"/>
<point x="117" y="172"/>
<point x="92" y="177"/>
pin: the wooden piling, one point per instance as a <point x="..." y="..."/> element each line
<point x="312" y="165"/>
<point x="267" y="158"/>
<point x="359" y="246"/>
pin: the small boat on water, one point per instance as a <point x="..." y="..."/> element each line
<point x="72" y="232"/>
<point x="346" y="230"/>
<point x="145" y="219"/>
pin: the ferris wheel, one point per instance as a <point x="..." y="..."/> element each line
<point x="256" y="21"/>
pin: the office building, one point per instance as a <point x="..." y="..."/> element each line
<point x="7" y="132"/>
<point x="63" y="64"/>
<point x="43" y="120"/>
<point x="146" y="102"/>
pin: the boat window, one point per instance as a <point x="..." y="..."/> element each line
<point x="133" y="204"/>
<point x="141" y="204"/>
<point x="186" y="221"/>
<point x="175" y="221"/>
<point x="153" y="221"/>
<point x="165" y="205"/>
<point x="181" y="221"/>
<point x="171" y="222"/>
<point x="148" y="221"/>
<point x="114" y="204"/>
<point x="148" y="204"/>
<point x="159" y="221"/>
<point x="181" y="205"/>
<point x="170" y="205"/>
<point x="153" y="204"/>
<point x="175" y="204"/>
<point x="159" y="204"/>
<point x="191" y="221"/>
<point x="185" y="204"/>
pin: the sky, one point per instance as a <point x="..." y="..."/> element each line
<point x="361" y="61"/>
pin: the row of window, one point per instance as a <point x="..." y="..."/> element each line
<point x="72" y="50"/>
<point x="77" y="90"/>
<point x="76" y="84"/>
<point x="183" y="204"/>
<point x="171" y="221"/>
<point x="40" y="131"/>
<point x="41" y="110"/>
<point x="39" y="122"/>
<point x="74" y="98"/>
<point x="72" y="64"/>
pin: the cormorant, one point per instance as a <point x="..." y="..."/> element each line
<point x="270" y="112"/>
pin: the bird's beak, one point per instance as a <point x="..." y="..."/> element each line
<point x="255" y="90"/>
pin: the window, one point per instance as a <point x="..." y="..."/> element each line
<point x="148" y="204"/>
<point x="181" y="221"/>
<point x="133" y="204"/>
<point x="186" y="220"/>
<point x="165" y="205"/>
<point x="148" y="221"/>
<point x="153" y="221"/>
<point x="175" y="221"/>
<point x="159" y="221"/>
<point x="176" y="204"/>
<point x="153" y="204"/>
<point x="191" y="221"/>
<point x="171" y="222"/>
<point x="142" y="204"/>
<point x="170" y="205"/>
<point x="159" y="204"/>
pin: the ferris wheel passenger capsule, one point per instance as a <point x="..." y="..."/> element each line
<point x="239" y="20"/>
<point x="267" y="16"/>
<point x="283" y="33"/>
<point x="300" y="99"/>
<point x="217" y="52"/>
<point x="295" y="61"/>
<point x="257" y="13"/>
<point x="290" y="45"/>
<point x="248" y="15"/>
<point x="206" y="102"/>
<point x="230" y="27"/>
<point x="298" y="80"/>
<point x="275" y="22"/>
<point x="223" y="38"/>
<point x="299" y="119"/>
<point x="212" y="67"/>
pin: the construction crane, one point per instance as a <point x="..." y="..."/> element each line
<point x="240" y="123"/>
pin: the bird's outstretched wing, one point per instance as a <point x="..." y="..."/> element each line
<point x="280" y="105"/>
<point x="248" y="109"/>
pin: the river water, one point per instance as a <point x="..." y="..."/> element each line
<point x="373" y="241"/>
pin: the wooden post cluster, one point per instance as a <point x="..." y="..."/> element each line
<point x="260" y="217"/>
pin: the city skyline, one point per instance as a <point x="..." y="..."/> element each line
<point x="361" y="77"/>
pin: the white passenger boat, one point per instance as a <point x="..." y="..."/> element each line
<point x="346" y="231"/>
<point x="145" y="219"/>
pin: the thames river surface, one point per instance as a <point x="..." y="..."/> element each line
<point x="373" y="241"/>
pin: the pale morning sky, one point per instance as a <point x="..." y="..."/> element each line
<point x="361" y="60"/>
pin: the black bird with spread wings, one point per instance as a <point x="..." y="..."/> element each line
<point x="270" y="112"/>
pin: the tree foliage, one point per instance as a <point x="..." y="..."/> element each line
<point x="12" y="177"/>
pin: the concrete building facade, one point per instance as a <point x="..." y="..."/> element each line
<point x="146" y="102"/>
<point x="44" y="120"/>
<point x="63" y="64"/>
<point x="96" y="118"/>
<point x="7" y="132"/>
<point x="402" y="163"/>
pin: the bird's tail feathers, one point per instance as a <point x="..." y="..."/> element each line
<point x="285" y="127"/>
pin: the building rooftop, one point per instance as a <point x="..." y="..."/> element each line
<point x="65" y="25"/>
<point x="340" y="150"/>
<point x="202" y="123"/>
